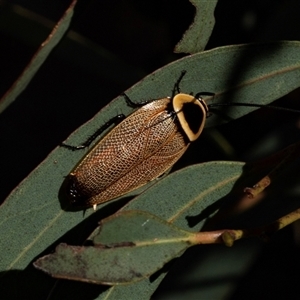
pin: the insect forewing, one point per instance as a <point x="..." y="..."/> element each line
<point x="141" y="148"/>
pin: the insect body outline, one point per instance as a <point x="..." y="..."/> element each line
<point x="139" y="149"/>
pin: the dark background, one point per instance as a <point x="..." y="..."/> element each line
<point x="132" y="39"/>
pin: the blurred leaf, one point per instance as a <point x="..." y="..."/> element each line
<point x="38" y="59"/>
<point x="269" y="172"/>
<point x="196" y="37"/>
<point x="18" y="22"/>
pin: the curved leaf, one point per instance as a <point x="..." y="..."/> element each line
<point x="130" y="246"/>
<point x="255" y="73"/>
<point x="204" y="183"/>
<point x="196" y="37"/>
<point x="32" y="214"/>
<point x="186" y="192"/>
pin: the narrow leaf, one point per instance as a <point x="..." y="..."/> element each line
<point x="33" y="214"/>
<point x="254" y="73"/>
<point x="187" y="192"/>
<point x="38" y="59"/>
<point x="196" y="37"/>
<point x="134" y="244"/>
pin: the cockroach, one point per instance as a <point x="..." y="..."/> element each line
<point x="140" y="148"/>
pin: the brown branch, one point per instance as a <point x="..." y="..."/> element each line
<point x="228" y="236"/>
<point x="280" y="160"/>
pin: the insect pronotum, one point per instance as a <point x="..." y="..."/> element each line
<point x="140" y="148"/>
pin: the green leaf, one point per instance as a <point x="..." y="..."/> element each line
<point x="32" y="219"/>
<point x="196" y="37"/>
<point x="38" y="59"/>
<point x="187" y="192"/>
<point x="204" y="184"/>
<point x="129" y="246"/>
<point x="255" y="73"/>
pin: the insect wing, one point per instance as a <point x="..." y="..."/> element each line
<point x="138" y="150"/>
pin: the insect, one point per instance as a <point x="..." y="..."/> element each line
<point x="140" y="148"/>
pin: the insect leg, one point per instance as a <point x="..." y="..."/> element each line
<point x="115" y="120"/>
<point x="176" y="88"/>
<point x="136" y="105"/>
<point x="175" y="91"/>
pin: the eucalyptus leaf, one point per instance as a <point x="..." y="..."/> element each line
<point x="253" y="73"/>
<point x="190" y="194"/>
<point x="210" y="180"/>
<point x="39" y="58"/>
<point x="196" y="37"/>
<point x="32" y="215"/>
<point x="133" y="245"/>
